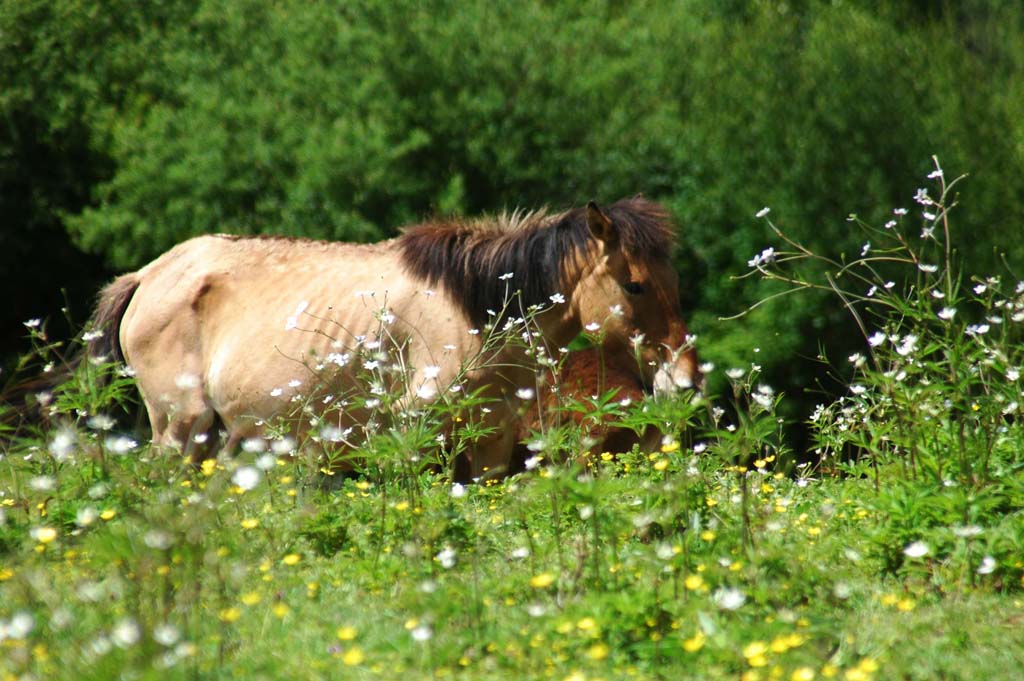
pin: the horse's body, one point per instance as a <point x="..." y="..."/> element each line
<point x="227" y="332"/>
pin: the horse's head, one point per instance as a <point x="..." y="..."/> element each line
<point x="628" y="286"/>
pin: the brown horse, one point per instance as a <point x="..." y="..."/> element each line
<point x="228" y="332"/>
<point x="583" y="376"/>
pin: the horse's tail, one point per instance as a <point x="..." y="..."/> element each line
<point x="104" y="336"/>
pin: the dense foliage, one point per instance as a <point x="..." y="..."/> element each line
<point x="129" y="127"/>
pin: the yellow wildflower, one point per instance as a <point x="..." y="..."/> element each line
<point x="353" y="656"/>
<point x="695" y="642"/>
<point x="542" y="581"/>
<point x="693" y="582"/>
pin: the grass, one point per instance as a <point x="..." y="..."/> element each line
<point x="896" y="553"/>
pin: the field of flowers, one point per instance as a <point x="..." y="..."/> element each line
<point x="893" y="548"/>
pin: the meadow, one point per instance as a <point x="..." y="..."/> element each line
<point x="892" y="548"/>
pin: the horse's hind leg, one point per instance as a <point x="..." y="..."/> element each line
<point x="202" y="438"/>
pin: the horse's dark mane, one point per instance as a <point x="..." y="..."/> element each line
<point x="540" y="251"/>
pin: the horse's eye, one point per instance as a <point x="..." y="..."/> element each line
<point x="633" y="288"/>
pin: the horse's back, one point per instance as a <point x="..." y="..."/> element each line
<point x="230" y="328"/>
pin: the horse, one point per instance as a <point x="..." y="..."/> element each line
<point x="582" y="376"/>
<point x="224" y="333"/>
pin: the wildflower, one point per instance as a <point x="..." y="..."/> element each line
<point x="802" y="674"/>
<point x="276" y="392"/>
<point x="947" y="313"/>
<point x="422" y="633"/>
<point x="922" y="197"/>
<point x="917" y="549"/>
<point x="908" y="345"/>
<point x="158" y="539"/>
<point x="246" y="477"/>
<point x="977" y="329"/>
<point x="20" y="625"/>
<point x="346" y="633"/>
<point x="43" y="535"/>
<point x="525" y="393"/>
<point x="291" y="559"/>
<point x="988" y="565"/>
<point x="890" y="224"/>
<point x="446" y="557"/>
<point x="557" y="298"/>
<point x="293" y="319"/>
<point x="927" y="269"/>
<point x="728" y="598"/>
<point x="126" y="633"/>
<point x="86" y="516"/>
<point x="63" y="443"/>
<point x="695" y="642"/>
<point x="520" y="553"/>
<point x="876" y="339"/>
<point x="764" y="211"/>
<point x="458" y="491"/>
<point x="32" y="323"/>
<point x="43" y="483"/>
<point x="120" y="444"/>
<point x="250" y="523"/>
<point x="734" y="374"/>
<point x="426" y="391"/>
<point x="598" y="652"/>
<point x="353" y="656"/>
<point x="754" y="652"/>
<point x="1012" y="374"/>
<point x="542" y="580"/>
<point x="592" y="327"/>
<point x="766" y="257"/>
<point x="693" y="582"/>
<point x="865" y="249"/>
<point x="229" y="615"/>
<point x="166" y="634"/>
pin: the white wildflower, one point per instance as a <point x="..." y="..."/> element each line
<point x="728" y="598"/>
<point x="764" y="211"/>
<point x="246" y="477"/>
<point x="766" y="257"/>
<point x="446" y="557"/>
<point x="126" y="634"/>
<point x="917" y="549"/>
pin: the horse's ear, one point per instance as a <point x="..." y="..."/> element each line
<point x="600" y="225"/>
